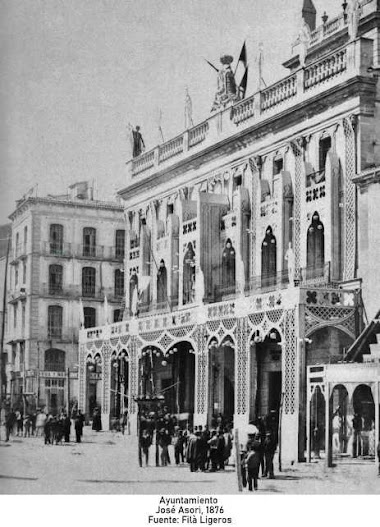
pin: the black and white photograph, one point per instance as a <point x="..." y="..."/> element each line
<point x="189" y="257"/>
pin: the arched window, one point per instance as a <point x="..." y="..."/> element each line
<point x="55" y="279"/>
<point x="55" y="322"/>
<point x="89" y="317"/>
<point x="189" y="275"/>
<point x="315" y="248"/>
<point x="119" y="282"/>
<point x="89" y="241"/>
<point x="162" y="283"/>
<point x="324" y="148"/>
<point x="88" y="281"/>
<point x="56" y="238"/>
<point x="268" y="259"/>
<point x="228" y="267"/>
<point x="54" y="360"/>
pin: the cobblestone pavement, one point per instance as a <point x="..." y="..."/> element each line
<point x="106" y="463"/>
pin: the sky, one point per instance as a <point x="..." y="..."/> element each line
<point x="74" y="73"/>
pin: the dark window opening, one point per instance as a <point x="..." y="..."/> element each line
<point x="88" y="281"/>
<point x="117" y="315"/>
<point x="54" y="360"/>
<point x="278" y="166"/>
<point x="55" y="322"/>
<point x="56" y="239"/>
<point x="119" y="282"/>
<point x="315" y="248"/>
<point x="55" y="279"/>
<point x="120" y="243"/>
<point x="268" y="259"/>
<point x="89" y="317"/>
<point x="89" y="241"/>
<point x="324" y="148"/>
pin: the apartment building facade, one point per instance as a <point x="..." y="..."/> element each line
<point x="65" y="250"/>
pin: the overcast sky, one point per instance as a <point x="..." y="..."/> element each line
<point x="75" y="72"/>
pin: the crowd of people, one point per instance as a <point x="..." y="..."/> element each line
<point x="53" y="428"/>
<point x="209" y="449"/>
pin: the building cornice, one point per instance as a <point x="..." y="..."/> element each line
<point x="95" y="205"/>
<point x="367" y="177"/>
<point x="359" y="86"/>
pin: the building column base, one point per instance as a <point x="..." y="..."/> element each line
<point x="105" y="421"/>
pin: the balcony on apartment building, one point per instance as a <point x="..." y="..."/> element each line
<point x="82" y="251"/>
<point x="18" y="253"/>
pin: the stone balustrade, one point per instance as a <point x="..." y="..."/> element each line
<point x="198" y="134"/>
<point x="326" y="68"/>
<point x="323" y="73"/>
<point x="279" y="92"/>
<point x="243" y="110"/>
<point x="171" y="148"/>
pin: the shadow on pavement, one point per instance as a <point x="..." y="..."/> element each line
<point x="136" y="481"/>
<point x="17" y="477"/>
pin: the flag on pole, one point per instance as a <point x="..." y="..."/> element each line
<point x="243" y="84"/>
<point x="243" y="55"/>
<point x="212" y="65"/>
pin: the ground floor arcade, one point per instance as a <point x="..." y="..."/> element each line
<point x="239" y="359"/>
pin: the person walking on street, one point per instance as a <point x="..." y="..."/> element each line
<point x="252" y="462"/>
<point x="19" y="422"/>
<point x="145" y="442"/>
<point x="269" y="450"/>
<point x="66" y="428"/>
<point x="78" y="425"/>
<point x="40" y="423"/>
<point x="10" y="421"/>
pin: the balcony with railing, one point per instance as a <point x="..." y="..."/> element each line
<point x="91" y="252"/>
<point x="322" y="74"/>
<point x="18" y="253"/>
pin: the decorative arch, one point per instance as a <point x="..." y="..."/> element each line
<point x="315" y="260"/>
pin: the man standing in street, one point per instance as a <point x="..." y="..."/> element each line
<point x="79" y="420"/>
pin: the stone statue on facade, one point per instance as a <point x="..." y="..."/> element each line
<point x="138" y="145"/>
<point x="226" y="85"/>
<point x="353" y="12"/>
<point x="304" y="39"/>
<point x="289" y="257"/>
<point x="188" y="111"/>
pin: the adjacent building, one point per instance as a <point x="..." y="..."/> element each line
<point x="249" y="246"/>
<point x="65" y="270"/>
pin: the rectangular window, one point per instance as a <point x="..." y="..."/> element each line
<point x="23" y="311"/>
<point x="89" y="317"/>
<point x="24" y="273"/>
<point x="55" y="279"/>
<point x="88" y="281"/>
<point x="55" y="322"/>
<point x="117" y="315"/>
<point x="25" y="238"/>
<point x="120" y="243"/>
<point x="119" y="282"/>
<point x="15" y="316"/>
<point x="56" y="239"/>
<point x="16" y="275"/>
<point x="89" y="241"/>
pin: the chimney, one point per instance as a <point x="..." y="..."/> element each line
<point x="309" y="13"/>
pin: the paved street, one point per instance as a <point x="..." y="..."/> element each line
<point x="106" y="463"/>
